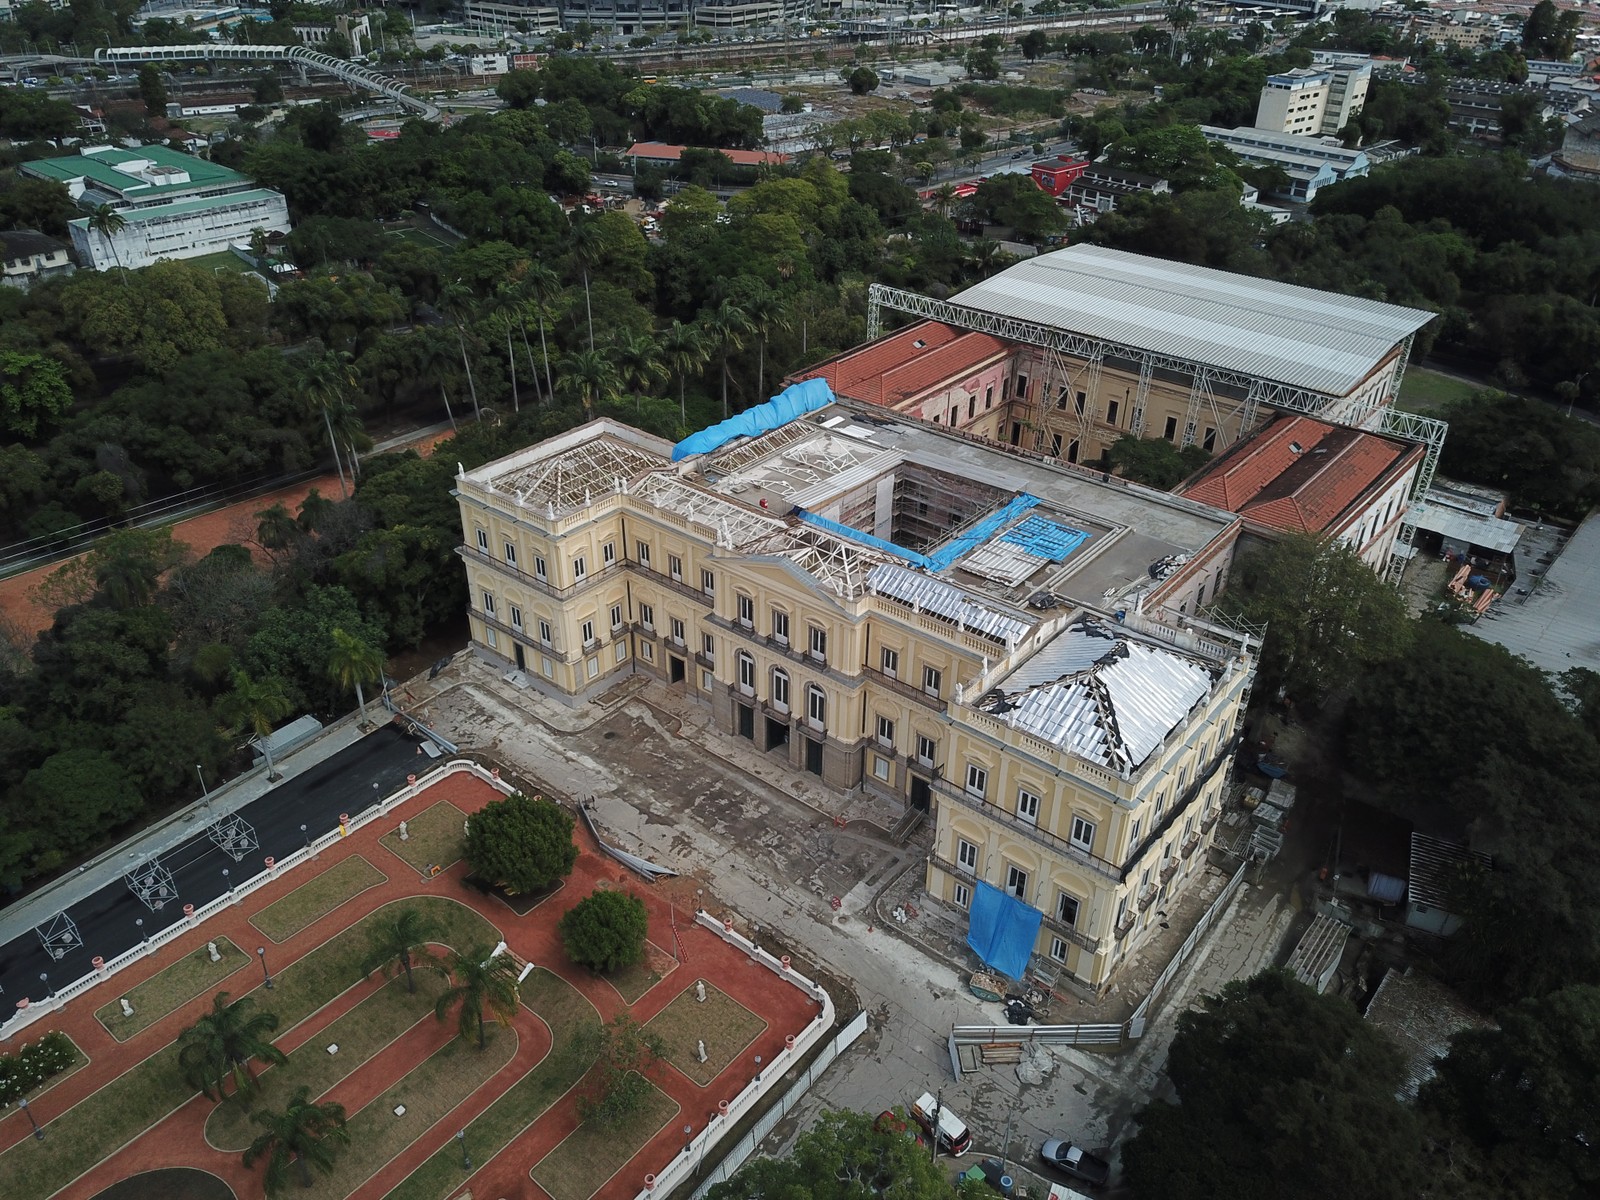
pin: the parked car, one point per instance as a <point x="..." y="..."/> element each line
<point x="939" y="1122"/>
<point x="890" y="1121"/>
<point x="1073" y="1160"/>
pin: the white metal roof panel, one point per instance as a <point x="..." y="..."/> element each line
<point x="927" y="594"/>
<point x="1292" y="335"/>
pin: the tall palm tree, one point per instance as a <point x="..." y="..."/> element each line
<point x="505" y="306"/>
<point x="304" y="1133"/>
<point x="458" y="302"/>
<point x="108" y="222"/>
<point x="353" y="663"/>
<point x="684" y="350"/>
<point x="257" y="705"/>
<point x="395" y="938"/>
<point x="322" y="386"/>
<point x="483" y="986"/>
<point x="436" y="363"/>
<point x="585" y="245"/>
<point x="259" y="245"/>
<point x="944" y="196"/>
<point x="539" y="286"/>
<point x="223" y="1044"/>
<point x="766" y="311"/>
<point x="588" y="375"/>
<point x="727" y="325"/>
<point x="638" y="364"/>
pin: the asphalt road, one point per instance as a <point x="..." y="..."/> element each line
<point x="348" y="782"/>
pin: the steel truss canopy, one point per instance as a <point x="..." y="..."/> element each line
<point x="234" y="836"/>
<point x="152" y="884"/>
<point x="59" y="936"/>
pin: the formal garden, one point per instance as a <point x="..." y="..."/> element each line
<point x="478" y="1000"/>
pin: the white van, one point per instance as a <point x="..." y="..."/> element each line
<point x="952" y="1133"/>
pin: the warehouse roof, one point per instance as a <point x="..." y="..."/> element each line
<point x="100" y="164"/>
<point x="1292" y="335"/>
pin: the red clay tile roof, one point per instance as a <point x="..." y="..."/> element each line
<point x="907" y="364"/>
<point x="665" y="152"/>
<point x="1298" y="475"/>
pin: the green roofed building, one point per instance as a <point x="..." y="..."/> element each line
<point x="174" y="205"/>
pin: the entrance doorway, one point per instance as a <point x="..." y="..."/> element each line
<point x="777" y="734"/>
<point x="522" y="660"/>
<point x="675" y="672"/>
<point x="814" y="756"/>
<point x="921" y="793"/>
<point x="746" y="721"/>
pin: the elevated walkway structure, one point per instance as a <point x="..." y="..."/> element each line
<point x="352" y="73"/>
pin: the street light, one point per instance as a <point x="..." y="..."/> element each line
<point x="466" y="1160"/>
<point x="306" y="836"/>
<point x="226" y="882"/>
<point x="143" y="936"/>
<point x="37" y="1132"/>
<point x="204" y="790"/>
<point x="44" y="978"/>
<point x="261" y="952"/>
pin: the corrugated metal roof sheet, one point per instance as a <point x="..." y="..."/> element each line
<point x="1434" y="864"/>
<point x="945" y="600"/>
<point x="1293" y="335"/>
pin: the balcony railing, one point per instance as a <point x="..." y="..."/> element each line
<point x="1072" y="934"/>
<point x="903" y="688"/>
<point x="1148" y="897"/>
<point x="1125" y="924"/>
<point x="1189" y="843"/>
<point x="1057" y="845"/>
<point x="473" y="554"/>
<point x="1210" y="819"/>
<point x="1168" y="870"/>
<point x="670" y="581"/>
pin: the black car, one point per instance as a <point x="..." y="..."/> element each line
<point x="1073" y="1160"/>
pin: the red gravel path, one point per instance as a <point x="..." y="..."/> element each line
<point x="178" y="1140"/>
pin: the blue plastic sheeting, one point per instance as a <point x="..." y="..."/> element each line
<point x="1045" y="539"/>
<point x="794" y="401"/>
<point x="981" y="532"/>
<point x="1003" y="930"/>
<point x="1385" y="888"/>
<point x="866" y="539"/>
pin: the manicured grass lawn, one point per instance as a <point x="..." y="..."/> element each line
<point x="170" y="989"/>
<point x="565" y="1010"/>
<point x="360" y="1034"/>
<point x="418" y="238"/>
<point x="633" y="982"/>
<point x="318" y="897"/>
<point x="227" y="260"/>
<point x="593" y="1153"/>
<point x="144" y="1094"/>
<point x="1425" y="391"/>
<point x="726" y="1026"/>
<point x="428" y="1092"/>
<point x="434" y="837"/>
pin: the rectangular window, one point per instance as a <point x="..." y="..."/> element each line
<point x="966" y="856"/>
<point x="988" y="397"/>
<point x="955" y="414"/>
<point x="592" y="667"/>
<point x="608" y="553"/>
<point x="616" y="617"/>
<point x="579" y="569"/>
<point x="932" y="680"/>
<point x="746" y="610"/>
<point x="587" y="633"/>
<point x="647" y="617"/>
<point x="886" y="731"/>
<point x="494" y="640"/>
<point x="483" y="540"/>
<point x="926" y="749"/>
<point x="647" y="651"/>
<point x="544" y="632"/>
<point x="880" y="768"/>
<point x="747" y="674"/>
<point x="1022" y="387"/>
<point x="977" y="780"/>
<point x="1017" y="882"/>
<point x="1200" y="597"/>
<point x="780" y="627"/>
<point x="819" y="643"/>
<point x="1081" y="399"/>
<point x="644" y="553"/>
<point x="707" y="681"/>
<point x="891" y="663"/>
<point x="539" y="569"/>
<point x="1027" y="805"/>
<point x="972" y="407"/>
<point x="488" y="603"/>
<point x="708" y="583"/>
<point x="780" y="691"/>
<point x="516" y="617"/>
<point x="677" y="631"/>
<point x="1172" y="429"/>
<point x="675" y="567"/>
<point x="1067" y="909"/>
<point x="708" y="646"/>
<point x="962" y="896"/>
<point x="817" y="706"/>
<point x="1209" y="442"/>
<point x="1058" y="949"/>
<point x="622" y="651"/>
<point x="1055" y="445"/>
<point x="1083" y="834"/>
<point x="1112" y="407"/>
<point x="546" y="667"/>
<point x="1133" y="836"/>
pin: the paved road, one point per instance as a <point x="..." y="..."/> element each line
<point x="313" y="800"/>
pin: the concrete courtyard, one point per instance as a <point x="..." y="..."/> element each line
<point x="769" y="843"/>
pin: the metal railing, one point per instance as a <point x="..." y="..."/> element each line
<point x="1028" y="829"/>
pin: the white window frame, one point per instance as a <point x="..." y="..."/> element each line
<point x="817" y="643"/>
<point x="962" y="896"/>
<point x="1028" y="805"/>
<point x="541" y="569"/>
<point x="643" y="549"/>
<point x="780" y="689"/>
<point x="1062" y="899"/>
<point x="882" y="768"/>
<point x="516" y="617"/>
<point x="1058" y="949"/>
<point x="622" y="651"/>
<point x="675" y="567"/>
<point x="708" y="647"/>
<point x="745" y="670"/>
<point x="889" y="657"/>
<point x="780" y="627"/>
<point x="483" y="540"/>
<point x="647" y="617"/>
<point x="885" y="732"/>
<point x="977" y="784"/>
<point x="966" y="856"/>
<point x="927" y="749"/>
<point x="677" y="629"/>
<point x="488" y="604"/>
<point x="1017" y="881"/>
<point x="744" y="608"/>
<point x="1084" y="842"/>
<point x="511" y="554"/>
<point x="608" y="554"/>
<point x="546" y="637"/>
<point x="708" y="583"/>
<point x="932" y="680"/>
<point x="580" y="569"/>
<point x="816" y="707"/>
<point x="586" y="634"/>
<point x="616" y="617"/>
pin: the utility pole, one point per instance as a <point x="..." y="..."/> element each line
<point x="938" y="1107"/>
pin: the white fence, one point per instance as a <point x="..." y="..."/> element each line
<point x="27" y="1013"/>
<point x="1137" y="1021"/>
<point x="746" y="1146"/>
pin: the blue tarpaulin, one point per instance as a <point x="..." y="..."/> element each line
<point x="981" y="532"/>
<point x="866" y="539"/>
<point x="1003" y="930"/>
<point x="794" y="401"/>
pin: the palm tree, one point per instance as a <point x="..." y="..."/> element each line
<point x="638" y="364"/>
<point x="458" y="302"/>
<point x="589" y="375"/>
<point x="684" y="350"/>
<point x="586" y="247"/>
<point x="765" y="309"/>
<point x="305" y="1133"/>
<point x="322" y="386"/>
<point x="259" y="245"/>
<point x="944" y="196"/>
<point x="395" y="938"/>
<point x="436" y="363"/>
<point x="505" y="306"/>
<point x="727" y="325"/>
<point x="108" y="222"/>
<point x="257" y="705"/>
<point x="222" y="1045"/>
<point x="539" y="286"/>
<point x="353" y="663"/>
<point x="481" y="983"/>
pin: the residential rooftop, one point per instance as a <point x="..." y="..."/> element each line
<point x="1297" y="336"/>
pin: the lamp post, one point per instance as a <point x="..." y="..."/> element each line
<point x="205" y="792"/>
<point x="466" y="1160"/>
<point x="143" y="936"/>
<point x="37" y="1132"/>
<point x="261" y="953"/>
<point x="226" y="882"/>
<point x="44" y="978"/>
<point x="306" y="836"/>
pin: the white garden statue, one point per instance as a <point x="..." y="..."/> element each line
<point x="127" y="1009"/>
<point x="405" y="836"/>
<point x="700" y="990"/>
<point x="211" y="949"/>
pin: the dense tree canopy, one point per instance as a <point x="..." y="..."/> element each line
<point x="605" y="931"/>
<point x="521" y="843"/>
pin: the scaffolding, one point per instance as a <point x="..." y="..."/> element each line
<point x="234" y="836"/>
<point x="152" y="883"/>
<point x="59" y="936"/>
<point x="574" y="477"/>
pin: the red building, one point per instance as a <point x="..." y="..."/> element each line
<point x="1056" y="175"/>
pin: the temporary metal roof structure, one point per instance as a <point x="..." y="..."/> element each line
<point x="1434" y="864"/>
<point x="926" y="594"/>
<point x="1293" y="335"/>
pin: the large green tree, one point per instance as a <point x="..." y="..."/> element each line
<point x="605" y="931"/>
<point x="483" y="987"/>
<point x="224" y="1045"/>
<point x="1279" y="1092"/>
<point x="33" y="392"/>
<point x="521" y="843"/>
<point x="303" y="1134"/>
<point x="1155" y="461"/>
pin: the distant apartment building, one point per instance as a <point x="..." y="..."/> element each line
<point x="1311" y="163"/>
<point x="1313" y="101"/>
<point x="510" y="16"/>
<point x="172" y="205"/>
